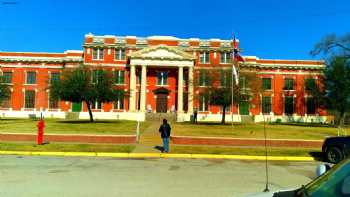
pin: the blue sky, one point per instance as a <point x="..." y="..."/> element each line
<point x="273" y="29"/>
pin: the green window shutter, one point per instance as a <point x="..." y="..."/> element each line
<point x="266" y="83"/>
<point x="288" y="84"/>
<point x="222" y="57"/>
<point x="201" y="57"/>
<point x="94" y="53"/>
<point x="310" y="105"/>
<point x="54" y="77"/>
<point x="207" y="57"/>
<point x="122" y="77"/>
<point x="29" y="99"/>
<point x="310" y="84"/>
<point x="288" y="105"/>
<point x="123" y="54"/>
<point x="7" y="77"/>
<point x="31" y="78"/>
<point x="101" y="51"/>
<point x="266" y="104"/>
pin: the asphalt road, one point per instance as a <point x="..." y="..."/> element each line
<point x="84" y="176"/>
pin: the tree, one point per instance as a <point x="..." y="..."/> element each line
<point x="5" y="91"/>
<point x="83" y="85"/>
<point x="217" y="88"/>
<point x="333" y="45"/>
<point x="335" y="93"/>
<point x="337" y="83"/>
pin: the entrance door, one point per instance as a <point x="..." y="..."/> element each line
<point x="244" y="107"/>
<point x="162" y="103"/>
<point x="76" y="107"/>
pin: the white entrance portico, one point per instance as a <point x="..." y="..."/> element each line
<point x="158" y="57"/>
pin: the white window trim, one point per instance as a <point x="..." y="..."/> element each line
<point x="119" y="75"/>
<point x="26" y="75"/>
<point x="98" y="53"/>
<point x="204" y="57"/>
<point x="118" y="104"/>
<point x="262" y="111"/>
<point x="24" y="100"/>
<point x="48" y="102"/>
<point x="225" y="58"/>
<point x="119" y="56"/>
<point x="162" y="79"/>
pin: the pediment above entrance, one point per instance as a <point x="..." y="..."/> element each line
<point x="161" y="52"/>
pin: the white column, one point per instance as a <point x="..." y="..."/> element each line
<point x="143" y="88"/>
<point x="132" y="98"/>
<point x="190" y="90"/>
<point x="180" y="90"/>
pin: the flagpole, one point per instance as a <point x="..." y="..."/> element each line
<point x="232" y="96"/>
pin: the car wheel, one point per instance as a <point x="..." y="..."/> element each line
<point x="334" y="154"/>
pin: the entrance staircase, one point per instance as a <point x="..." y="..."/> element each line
<point x="247" y="119"/>
<point x="160" y="116"/>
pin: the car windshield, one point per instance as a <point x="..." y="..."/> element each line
<point x="331" y="183"/>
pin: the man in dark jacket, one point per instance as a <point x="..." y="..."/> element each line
<point x="164" y="130"/>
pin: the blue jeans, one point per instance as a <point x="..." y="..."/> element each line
<point x="166" y="144"/>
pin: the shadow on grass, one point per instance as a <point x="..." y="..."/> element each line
<point x="303" y="124"/>
<point x="88" y="121"/>
<point x="208" y="123"/>
<point x="318" y="156"/>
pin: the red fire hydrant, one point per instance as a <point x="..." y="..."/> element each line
<point x="41" y="125"/>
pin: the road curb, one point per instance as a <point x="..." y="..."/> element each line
<point x="157" y="155"/>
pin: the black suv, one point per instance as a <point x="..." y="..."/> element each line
<point x="336" y="149"/>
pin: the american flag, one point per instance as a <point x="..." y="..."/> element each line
<point x="236" y="57"/>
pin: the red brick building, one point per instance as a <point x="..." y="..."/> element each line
<point x="160" y="74"/>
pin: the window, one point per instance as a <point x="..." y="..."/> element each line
<point x="204" y="57"/>
<point x="119" y="102"/>
<point x="119" y="76"/>
<point x="97" y="54"/>
<point x="225" y="57"/>
<point x="225" y="78"/>
<point x="288" y="84"/>
<point x="310" y="84"/>
<point x="31" y="78"/>
<point x="53" y="103"/>
<point x="243" y="83"/>
<point x="55" y="76"/>
<point x="289" y="105"/>
<point x="119" y="54"/>
<point x="310" y="105"/>
<point x="95" y="75"/>
<point x="266" y="83"/>
<point x="162" y="78"/>
<point x="7" y="77"/>
<point x="6" y="103"/>
<point x="96" y="105"/>
<point x="203" y="103"/>
<point x="29" y="101"/>
<point x="266" y="104"/>
<point x="204" y="79"/>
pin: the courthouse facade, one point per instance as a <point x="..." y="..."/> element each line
<point x="161" y="74"/>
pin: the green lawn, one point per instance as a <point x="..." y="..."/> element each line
<point x="245" y="151"/>
<point x="67" y="147"/>
<point x="274" y="131"/>
<point x="103" y="127"/>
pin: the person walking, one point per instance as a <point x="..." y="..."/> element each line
<point x="164" y="130"/>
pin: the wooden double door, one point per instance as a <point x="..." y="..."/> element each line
<point x="162" y="103"/>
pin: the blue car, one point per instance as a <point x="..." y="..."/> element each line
<point x="333" y="183"/>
